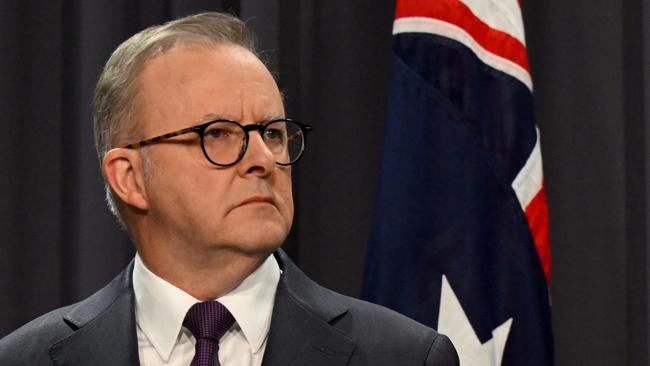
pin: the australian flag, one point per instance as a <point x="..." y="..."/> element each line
<point x="460" y="237"/>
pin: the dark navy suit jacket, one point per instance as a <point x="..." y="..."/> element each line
<point x="310" y="325"/>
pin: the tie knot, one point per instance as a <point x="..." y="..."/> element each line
<point x="208" y="320"/>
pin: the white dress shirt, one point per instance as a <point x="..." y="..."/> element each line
<point x="160" y="309"/>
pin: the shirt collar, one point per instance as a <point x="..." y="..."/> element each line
<point x="160" y="307"/>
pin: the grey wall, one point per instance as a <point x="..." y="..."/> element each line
<point x="589" y="62"/>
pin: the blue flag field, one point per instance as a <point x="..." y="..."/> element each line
<point x="460" y="237"/>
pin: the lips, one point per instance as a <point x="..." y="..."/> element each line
<point x="257" y="199"/>
<point x="252" y="201"/>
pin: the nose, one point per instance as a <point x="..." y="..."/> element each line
<point x="258" y="159"/>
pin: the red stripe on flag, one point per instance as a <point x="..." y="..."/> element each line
<point x="455" y="12"/>
<point x="537" y="215"/>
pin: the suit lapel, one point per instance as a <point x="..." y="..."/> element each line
<point x="301" y="332"/>
<point x="105" y="330"/>
<point x="301" y="327"/>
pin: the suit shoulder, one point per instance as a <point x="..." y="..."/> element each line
<point x="380" y="330"/>
<point x="383" y="320"/>
<point x="29" y="344"/>
<point x="381" y="336"/>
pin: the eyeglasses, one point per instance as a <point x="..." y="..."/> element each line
<point x="224" y="142"/>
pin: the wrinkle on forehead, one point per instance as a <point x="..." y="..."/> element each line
<point x="226" y="82"/>
<point x="215" y="116"/>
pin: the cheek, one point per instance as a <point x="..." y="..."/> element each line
<point x="284" y="191"/>
<point x="211" y="195"/>
<point x="185" y="193"/>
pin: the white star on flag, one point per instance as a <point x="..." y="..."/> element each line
<point x="453" y="322"/>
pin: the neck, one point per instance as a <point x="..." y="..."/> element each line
<point x="204" y="273"/>
<point x="204" y="270"/>
<point x="204" y="277"/>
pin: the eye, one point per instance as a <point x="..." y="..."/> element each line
<point x="217" y="133"/>
<point x="271" y="134"/>
<point x="274" y="134"/>
<point x="222" y="131"/>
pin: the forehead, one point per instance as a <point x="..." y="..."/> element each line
<point x="188" y="85"/>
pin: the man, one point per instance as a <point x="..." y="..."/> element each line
<point x="196" y="153"/>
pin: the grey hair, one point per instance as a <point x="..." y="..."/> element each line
<point x="116" y="87"/>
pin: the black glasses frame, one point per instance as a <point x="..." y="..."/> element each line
<point x="200" y="130"/>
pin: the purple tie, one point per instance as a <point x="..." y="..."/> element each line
<point x="208" y="321"/>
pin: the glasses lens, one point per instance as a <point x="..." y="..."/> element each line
<point x="286" y="141"/>
<point x="223" y="142"/>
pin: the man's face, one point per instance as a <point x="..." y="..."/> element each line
<point x="247" y="207"/>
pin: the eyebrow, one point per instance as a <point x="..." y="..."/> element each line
<point x="214" y="116"/>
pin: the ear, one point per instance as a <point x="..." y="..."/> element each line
<point x="124" y="173"/>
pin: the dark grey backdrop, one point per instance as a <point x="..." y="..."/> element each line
<point x="590" y="65"/>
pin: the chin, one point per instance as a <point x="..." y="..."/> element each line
<point x="259" y="238"/>
<point x="254" y="229"/>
